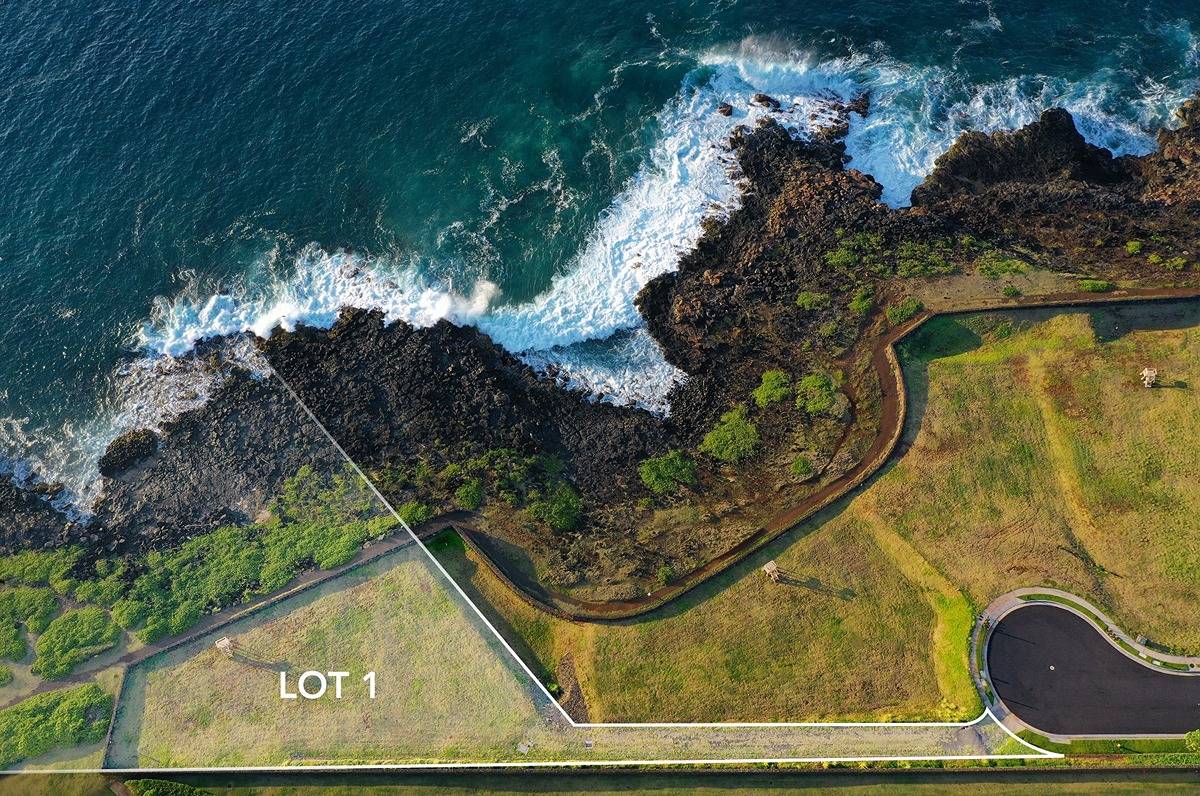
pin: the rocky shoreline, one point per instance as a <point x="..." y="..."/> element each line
<point x="401" y="399"/>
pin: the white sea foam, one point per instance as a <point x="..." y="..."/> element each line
<point x="584" y="329"/>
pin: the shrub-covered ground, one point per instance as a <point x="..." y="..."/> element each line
<point x="55" y="719"/>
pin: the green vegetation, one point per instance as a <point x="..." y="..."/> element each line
<point x="810" y="300"/>
<point x="924" y="259"/>
<point x="6" y="676"/>
<point x="1041" y="429"/>
<point x="1192" y="741"/>
<point x="315" y="521"/>
<point x="41" y="568"/>
<point x="162" y="787"/>
<point x="850" y="640"/>
<point x="1096" y="285"/>
<point x="859" y="251"/>
<point x="802" y="468"/>
<point x="816" y="394"/>
<point x="903" y="310"/>
<point x="868" y="252"/>
<point x="106" y="587"/>
<point x="1011" y="291"/>
<point x="412" y="513"/>
<point x="1134" y="246"/>
<point x="56" y="719"/>
<point x="73" y="638"/>
<point x="663" y="475"/>
<point x="1176" y="264"/>
<point x="776" y="386"/>
<point x="470" y="495"/>
<point x="863" y="301"/>
<point x="560" y="508"/>
<point x="995" y="264"/>
<point x="32" y="607"/>
<point x="733" y="439"/>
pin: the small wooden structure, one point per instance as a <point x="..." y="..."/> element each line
<point x="772" y="570"/>
<point x="225" y="645"/>
<point x="1149" y="376"/>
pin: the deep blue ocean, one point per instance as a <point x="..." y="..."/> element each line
<point x="175" y="170"/>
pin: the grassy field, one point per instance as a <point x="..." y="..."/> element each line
<point x="441" y="692"/>
<point x="846" y="635"/>
<point x="1087" y="479"/>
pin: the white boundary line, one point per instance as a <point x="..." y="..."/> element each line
<point x="986" y="714"/>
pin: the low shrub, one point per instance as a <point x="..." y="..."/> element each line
<point x="733" y="439"/>
<point x="810" y="300"/>
<point x="923" y="259"/>
<point x="666" y="573"/>
<point x="163" y="787"/>
<point x="39" y="567"/>
<point x="802" y="468"/>
<point x="6" y="676"/>
<point x="863" y="301"/>
<point x="73" y="638"/>
<point x="414" y="512"/>
<point x="995" y="264"/>
<point x="470" y="495"/>
<point x="1095" y="285"/>
<point x="560" y="508"/>
<point x="815" y="394"/>
<point x="64" y="718"/>
<point x="776" y="386"/>
<point x="664" y="474"/>
<point x="1134" y="246"/>
<point x="903" y="310"/>
<point x="1011" y="291"/>
<point x="1176" y="264"/>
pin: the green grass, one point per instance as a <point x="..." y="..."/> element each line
<point x="904" y="310"/>
<point x="1095" y="285"/>
<point x="848" y="636"/>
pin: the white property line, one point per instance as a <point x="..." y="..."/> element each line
<point x="1036" y="752"/>
<point x="987" y="713"/>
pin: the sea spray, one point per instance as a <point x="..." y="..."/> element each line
<point x="584" y="330"/>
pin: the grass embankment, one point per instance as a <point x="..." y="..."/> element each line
<point x="1041" y="459"/>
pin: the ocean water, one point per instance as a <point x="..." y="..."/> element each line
<point x="173" y="171"/>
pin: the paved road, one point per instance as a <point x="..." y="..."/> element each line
<point x="1058" y="674"/>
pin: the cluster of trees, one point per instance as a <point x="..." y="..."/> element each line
<point x="65" y="718"/>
